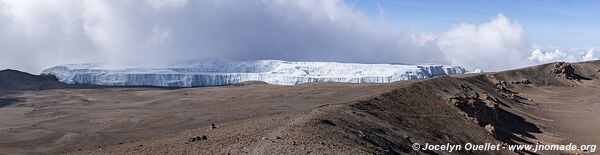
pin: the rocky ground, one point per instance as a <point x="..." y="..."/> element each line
<point x="549" y="104"/>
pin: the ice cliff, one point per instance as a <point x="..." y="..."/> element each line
<point x="214" y="72"/>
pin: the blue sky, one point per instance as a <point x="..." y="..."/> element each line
<point x="549" y="23"/>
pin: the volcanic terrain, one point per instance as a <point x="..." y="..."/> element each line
<point x="556" y="103"/>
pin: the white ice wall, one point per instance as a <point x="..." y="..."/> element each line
<point x="214" y="72"/>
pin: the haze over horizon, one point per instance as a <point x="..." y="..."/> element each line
<point x="35" y="35"/>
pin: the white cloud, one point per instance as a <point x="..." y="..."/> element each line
<point x="36" y="34"/>
<point x="39" y="34"/>
<point x="160" y="4"/>
<point x="498" y="44"/>
<point x="591" y="54"/>
<point x="540" y="55"/>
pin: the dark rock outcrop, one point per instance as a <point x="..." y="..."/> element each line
<point x="566" y="71"/>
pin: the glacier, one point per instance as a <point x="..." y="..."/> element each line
<point x="216" y="72"/>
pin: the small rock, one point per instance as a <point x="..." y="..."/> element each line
<point x="524" y="81"/>
<point x="278" y="137"/>
<point x="197" y="138"/>
<point x="360" y="133"/>
<point x="194" y="138"/>
<point x="408" y="139"/>
<point x="501" y="85"/>
<point x="490" y="129"/>
<point x="213" y="126"/>
<point x="326" y="121"/>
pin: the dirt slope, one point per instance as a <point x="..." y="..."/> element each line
<point x="554" y="103"/>
<point x="462" y="109"/>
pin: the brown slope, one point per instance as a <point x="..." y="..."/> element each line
<point x="459" y="109"/>
<point x="57" y="120"/>
<point x="385" y="123"/>
<point x="506" y="107"/>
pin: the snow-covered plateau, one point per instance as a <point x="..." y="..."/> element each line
<point x="215" y="72"/>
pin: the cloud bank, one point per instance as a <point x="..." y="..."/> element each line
<point x="498" y="44"/>
<point x="541" y="55"/>
<point x="36" y="34"/>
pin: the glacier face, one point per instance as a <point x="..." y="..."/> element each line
<point x="215" y="72"/>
